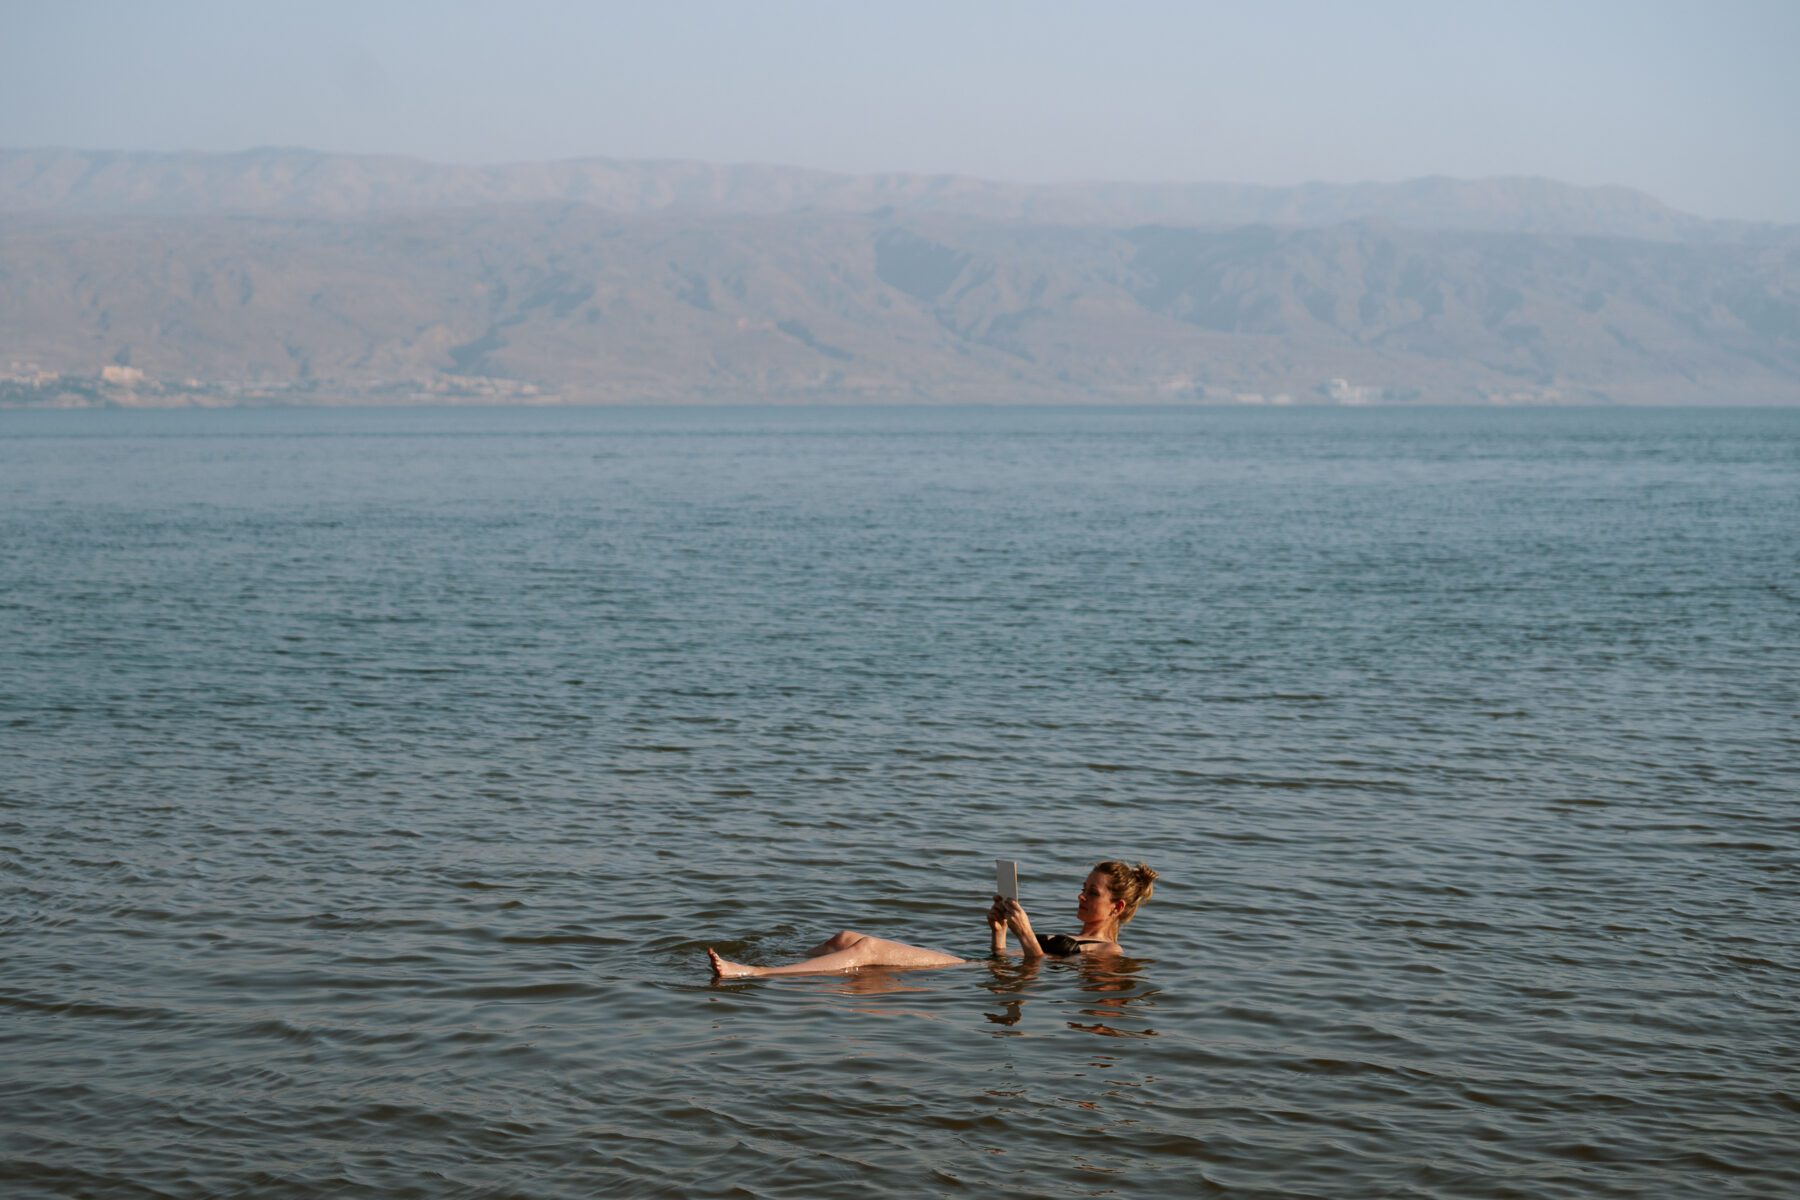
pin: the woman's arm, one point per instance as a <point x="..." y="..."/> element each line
<point x="1020" y="924"/>
<point x="996" y="919"/>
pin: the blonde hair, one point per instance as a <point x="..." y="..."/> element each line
<point x="1130" y="885"/>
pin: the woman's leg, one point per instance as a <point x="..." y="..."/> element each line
<point x="845" y="951"/>
<point x="843" y="939"/>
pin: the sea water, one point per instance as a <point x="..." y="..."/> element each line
<point x="372" y="783"/>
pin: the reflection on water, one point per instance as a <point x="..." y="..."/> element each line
<point x="1126" y="1004"/>
<point x="1119" y="1001"/>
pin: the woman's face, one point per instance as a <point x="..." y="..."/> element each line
<point x="1096" y="902"/>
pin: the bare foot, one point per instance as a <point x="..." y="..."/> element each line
<point x="730" y="970"/>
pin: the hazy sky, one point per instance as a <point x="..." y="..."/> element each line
<point x="1696" y="103"/>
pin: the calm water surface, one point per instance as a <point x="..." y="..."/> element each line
<point x="372" y="782"/>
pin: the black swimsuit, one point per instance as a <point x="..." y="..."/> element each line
<point x="1062" y="945"/>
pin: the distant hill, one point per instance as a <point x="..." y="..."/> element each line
<point x="297" y="181"/>
<point x="576" y="302"/>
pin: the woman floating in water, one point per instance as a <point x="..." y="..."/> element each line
<point x="1108" y="900"/>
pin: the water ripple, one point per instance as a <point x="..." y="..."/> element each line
<point x="375" y="782"/>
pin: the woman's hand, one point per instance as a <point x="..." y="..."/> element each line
<point x="1015" y="918"/>
<point x="996" y="919"/>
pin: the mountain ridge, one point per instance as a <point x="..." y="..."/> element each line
<point x="303" y="181"/>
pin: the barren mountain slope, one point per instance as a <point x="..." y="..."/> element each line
<point x="572" y="303"/>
